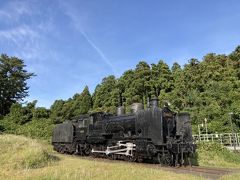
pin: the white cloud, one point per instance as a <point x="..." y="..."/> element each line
<point x="25" y="39"/>
<point x="19" y="34"/>
<point x="13" y="10"/>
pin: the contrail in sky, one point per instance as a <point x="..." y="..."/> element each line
<point x="71" y="12"/>
<point x="98" y="50"/>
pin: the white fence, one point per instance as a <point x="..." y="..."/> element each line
<point x="226" y="139"/>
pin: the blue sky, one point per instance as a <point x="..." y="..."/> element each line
<point x="70" y="44"/>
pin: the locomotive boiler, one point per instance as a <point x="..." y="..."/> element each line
<point x="153" y="134"/>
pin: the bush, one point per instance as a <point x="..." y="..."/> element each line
<point x="28" y="120"/>
<point x="37" y="128"/>
<point x="19" y="114"/>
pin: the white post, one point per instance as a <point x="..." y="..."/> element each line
<point x="205" y="120"/>
<point x="233" y="137"/>
<point x="199" y="133"/>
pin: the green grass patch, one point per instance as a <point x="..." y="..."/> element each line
<point x="75" y="168"/>
<point x="19" y="152"/>
<point x="231" y="177"/>
<point x="216" y="155"/>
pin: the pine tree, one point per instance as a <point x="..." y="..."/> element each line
<point x="105" y="97"/>
<point x="86" y="101"/>
<point x="140" y="84"/>
<point x="161" y="78"/>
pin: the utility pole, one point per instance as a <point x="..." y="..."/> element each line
<point x="233" y="137"/>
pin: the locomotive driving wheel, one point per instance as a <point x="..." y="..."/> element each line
<point x="112" y="156"/>
<point x="131" y="158"/>
<point x="87" y="150"/>
<point x="164" y="159"/>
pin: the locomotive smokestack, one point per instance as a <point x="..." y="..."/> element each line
<point x="135" y="107"/>
<point x="154" y="102"/>
<point x="120" y="110"/>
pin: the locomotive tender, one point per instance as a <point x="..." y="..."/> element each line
<point x="152" y="134"/>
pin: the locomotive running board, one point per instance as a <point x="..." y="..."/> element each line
<point x="127" y="149"/>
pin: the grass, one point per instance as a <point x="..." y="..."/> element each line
<point x="215" y="155"/>
<point x="76" y="168"/>
<point x="17" y="152"/>
<point x="24" y="158"/>
<point x="231" y="177"/>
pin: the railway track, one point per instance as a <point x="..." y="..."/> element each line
<point x="205" y="172"/>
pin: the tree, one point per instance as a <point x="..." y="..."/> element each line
<point x="141" y="82"/>
<point x="57" y="111"/>
<point x="13" y="85"/>
<point x="126" y="88"/>
<point x="235" y="57"/>
<point x="178" y="94"/>
<point x="41" y="112"/>
<point x="161" y="78"/>
<point x="83" y="103"/>
<point x="105" y="97"/>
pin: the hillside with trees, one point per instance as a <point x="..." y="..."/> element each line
<point x="207" y="88"/>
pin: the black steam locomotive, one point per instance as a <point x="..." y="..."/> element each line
<point x="152" y="134"/>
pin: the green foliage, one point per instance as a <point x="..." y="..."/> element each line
<point x="37" y="128"/>
<point x="40" y="128"/>
<point x="161" y="79"/>
<point x="75" y="106"/>
<point x="106" y="95"/>
<point x="83" y="103"/>
<point x="41" y="112"/>
<point x="28" y="120"/>
<point x="13" y="86"/>
<point x="57" y="111"/>
<point x="19" y="114"/>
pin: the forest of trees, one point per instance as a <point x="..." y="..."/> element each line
<point x="207" y="88"/>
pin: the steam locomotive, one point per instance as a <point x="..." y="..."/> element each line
<point x="153" y="135"/>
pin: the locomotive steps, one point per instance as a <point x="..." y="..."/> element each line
<point x="31" y="159"/>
